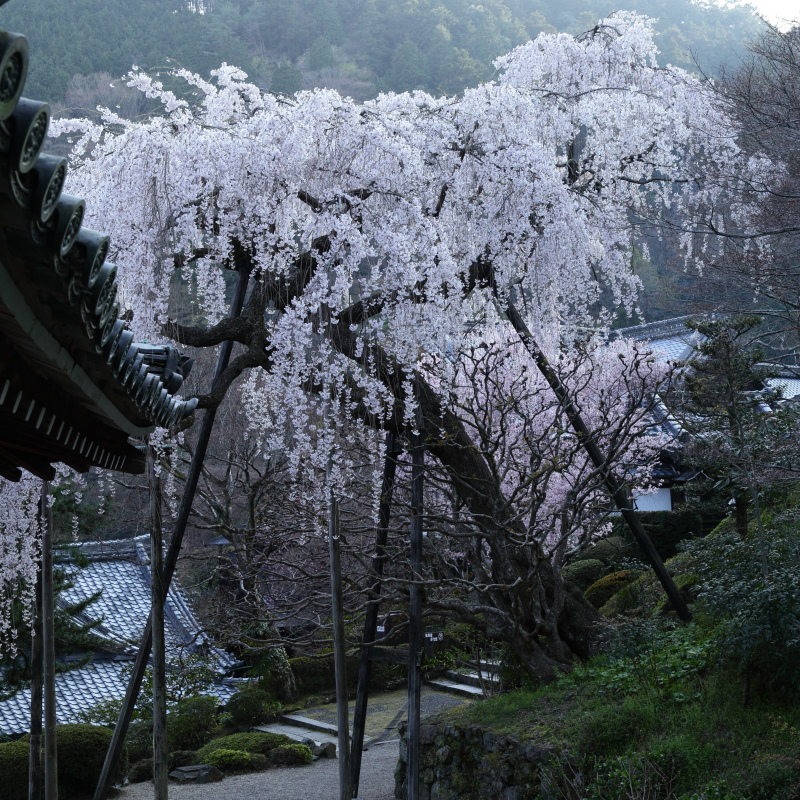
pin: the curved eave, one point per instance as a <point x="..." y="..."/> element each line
<point x="57" y="356"/>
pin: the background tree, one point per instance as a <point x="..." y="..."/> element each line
<point x="762" y="251"/>
<point x="741" y="436"/>
<point x="457" y="39"/>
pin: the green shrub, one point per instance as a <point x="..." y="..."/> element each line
<point x="584" y="572"/>
<point x="181" y="758"/>
<point x="600" y="592"/>
<point x="313" y="675"/>
<point x="14" y="770"/>
<point x="291" y="755"/>
<point x="81" y="753"/>
<point x="254" y="742"/>
<point x="611" y="551"/>
<point x="665" y="529"/>
<point x="189" y="725"/>
<point x="139" y="740"/>
<point x="230" y="760"/>
<point x="609" y="730"/>
<point x="251" y="706"/>
<point x="749" y="592"/>
<point x="141" y="771"/>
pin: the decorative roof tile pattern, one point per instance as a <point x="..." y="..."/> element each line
<point x="670" y="338"/>
<point x="81" y="689"/>
<point x="121" y="571"/>
<point x="73" y="383"/>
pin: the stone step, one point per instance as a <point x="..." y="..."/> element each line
<point x="323" y="743"/>
<point x="299" y="721"/>
<point x="472" y="678"/>
<point x="455" y="687"/>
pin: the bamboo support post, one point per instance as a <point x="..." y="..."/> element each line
<point x="415" y="615"/>
<point x="48" y="651"/>
<point x="158" y="598"/>
<point x="589" y="441"/>
<point x="371" y="617"/>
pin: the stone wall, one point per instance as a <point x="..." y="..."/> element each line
<point x="467" y="763"/>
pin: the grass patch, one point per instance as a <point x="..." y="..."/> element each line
<point x="683" y="721"/>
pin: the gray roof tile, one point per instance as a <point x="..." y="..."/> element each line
<point x="120" y="570"/>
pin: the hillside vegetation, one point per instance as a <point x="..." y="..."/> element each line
<point x="359" y="47"/>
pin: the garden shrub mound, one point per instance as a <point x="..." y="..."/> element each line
<point x="291" y="755"/>
<point x="189" y="726"/>
<point x="252" y="706"/>
<point x="81" y="752"/>
<point x="585" y="572"/>
<point x="600" y="592"/>
<point x="229" y="760"/>
<point x="141" y="771"/>
<point x="14" y="770"/>
<point x="257" y="742"/>
<point x="312" y="675"/>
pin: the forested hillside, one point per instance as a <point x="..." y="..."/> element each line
<point x="359" y="47"/>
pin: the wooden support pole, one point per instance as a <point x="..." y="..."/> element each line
<point x="158" y="598"/>
<point x="48" y="651"/>
<point x="37" y="678"/>
<point x="589" y="441"/>
<point x="415" y="614"/>
<point x="171" y="560"/>
<point x="371" y="617"/>
<point x="339" y="646"/>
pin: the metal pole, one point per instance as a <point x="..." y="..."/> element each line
<point x="589" y="441"/>
<point x="171" y="560"/>
<point x="371" y="618"/>
<point x="37" y="666"/>
<point x="49" y="651"/>
<point x="157" y="616"/>
<point x="339" y="655"/>
<point x="415" y="614"/>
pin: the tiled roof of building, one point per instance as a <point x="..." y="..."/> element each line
<point x="121" y="571"/>
<point x="79" y="690"/>
<point x="73" y="383"/>
<point x="669" y="338"/>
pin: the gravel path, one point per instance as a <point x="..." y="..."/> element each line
<point x="318" y="781"/>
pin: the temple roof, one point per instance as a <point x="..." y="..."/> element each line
<point x="74" y="386"/>
<point x="121" y="571"/>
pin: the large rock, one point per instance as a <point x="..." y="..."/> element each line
<point x="201" y="773"/>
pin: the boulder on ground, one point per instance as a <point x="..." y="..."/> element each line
<point x="200" y="773"/>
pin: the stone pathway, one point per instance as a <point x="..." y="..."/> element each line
<point x="320" y="780"/>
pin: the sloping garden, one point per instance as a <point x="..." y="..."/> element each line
<point x="667" y="711"/>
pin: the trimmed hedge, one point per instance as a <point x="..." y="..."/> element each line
<point x="81" y="753"/>
<point x="141" y="771"/>
<point x="600" y="592"/>
<point x="189" y="725"/>
<point x="251" y="706"/>
<point x="259" y="742"/>
<point x="14" y="770"/>
<point x="665" y="529"/>
<point x="234" y="760"/>
<point x="181" y="758"/>
<point x="585" y="572"/>
<point x="317" y="674"/>
<point x="291" y="755"/>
